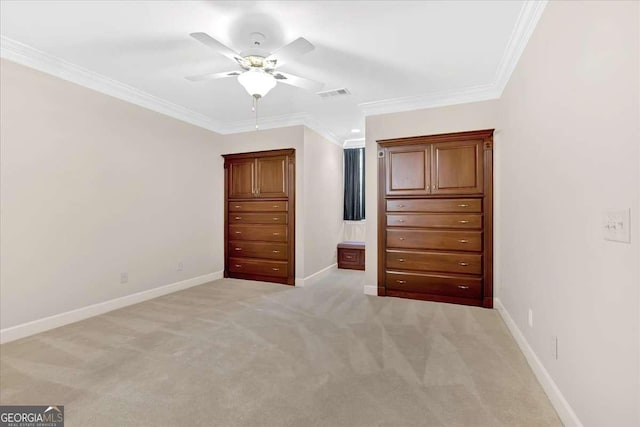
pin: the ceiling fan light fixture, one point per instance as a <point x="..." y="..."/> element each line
<point x="257" y="82"/>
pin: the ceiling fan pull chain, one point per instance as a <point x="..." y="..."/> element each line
<point x="255" y="108"/>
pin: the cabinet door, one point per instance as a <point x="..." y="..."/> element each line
<point x="241" y="179"/>
<point x="457" y="167"/>
<point x="408" y="170"/>
<point x="271" y="177"/>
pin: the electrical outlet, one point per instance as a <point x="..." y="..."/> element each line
<point x="180" y="266"/>
<point x="554" y="347"/>
<point x="124" y="277"/>
<point x="530" y="318"/>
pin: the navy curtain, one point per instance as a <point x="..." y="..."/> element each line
<point x="354" y="184"/>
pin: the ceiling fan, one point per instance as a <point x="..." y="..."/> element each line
<point x="258" y="72"/>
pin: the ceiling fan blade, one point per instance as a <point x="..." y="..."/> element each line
<point x="296" y="48"/>
<point x="293" y="80"/>
<point x="214" y="44"/>
<point x="213" y="76"/>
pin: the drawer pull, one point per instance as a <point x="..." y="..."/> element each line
<point x="401" y="220"/>
<point x="402" y="238"/>
<point x="348" y="257"/>
<point x="238" y="217"/>
<point x="463" y="287"/>
<point x="275" y="269"/>
<point x="238" y="265"/>
<point x="463" y="205"/>
<point x="276" y="206"/>
<point x="463" y="241"/>
<point x="463" y="221"/>
<point x="275" y="219"/>
<point x="400" y="259"/>
<point x="276" y="234"/>
<point x="238" y="232"/>
<point x="276" y="252"/>
<point x="402" y="282"/>
<point x="237" y="206"/>
<point x="401" y="206"/>
<point x="238" y="249"/>
<point x="464" y="264"/>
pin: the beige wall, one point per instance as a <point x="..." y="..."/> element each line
<point x="323" y="201"/>
<point x="91" y="186"/>
<point x="355" y="230"/>
<point x="480" y="115"/>
<point x="570" y="142"/>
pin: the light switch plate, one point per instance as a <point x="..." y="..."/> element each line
<point x="616" y="226"/>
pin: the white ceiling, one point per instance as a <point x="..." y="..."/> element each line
<point x="430" y="51"/>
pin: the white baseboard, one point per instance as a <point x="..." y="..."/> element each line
<point x="370" y="290"/>
<point x="40" y="325"/>
<point x="318" y="275"/>
<point x="564" y="410"/>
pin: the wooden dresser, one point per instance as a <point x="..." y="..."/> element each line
<point x="259" y="229"/>
<point x="435" y="220"/>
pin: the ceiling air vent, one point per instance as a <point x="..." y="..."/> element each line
<point x="334" y="92"/>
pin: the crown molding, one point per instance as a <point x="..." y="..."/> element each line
<point x="525" y="25"/>
<point x="354" y="143"/>
<point x="439" y="99"/>
<point x="20" y="53"/>
<point x="26" y="55"/>
<point x="286" y="120"/>
<point x="527" y="21"/>
<point x="319" y="128"/>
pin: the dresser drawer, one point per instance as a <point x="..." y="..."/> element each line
<point x="349" y="256"/>
<point x="434" y="239"/>
<point x="278" y="206"/>
<point x="258" y="250"/>
<point x="434" y="205"/>
<point x="352" y="259"/>
<point x="255" y="266"/>
<point x="435" y="261"/>
<point x="467" y="221"/>
<point x="267" y="233"/>
<point x="257" y="218"/>
<point x="439" y="284"/>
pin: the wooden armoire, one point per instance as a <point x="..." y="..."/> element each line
<point x="259" y="220"/>
<point x="435" y="217"/>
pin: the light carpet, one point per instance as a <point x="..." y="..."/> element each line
<point x="241" y="353"/>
